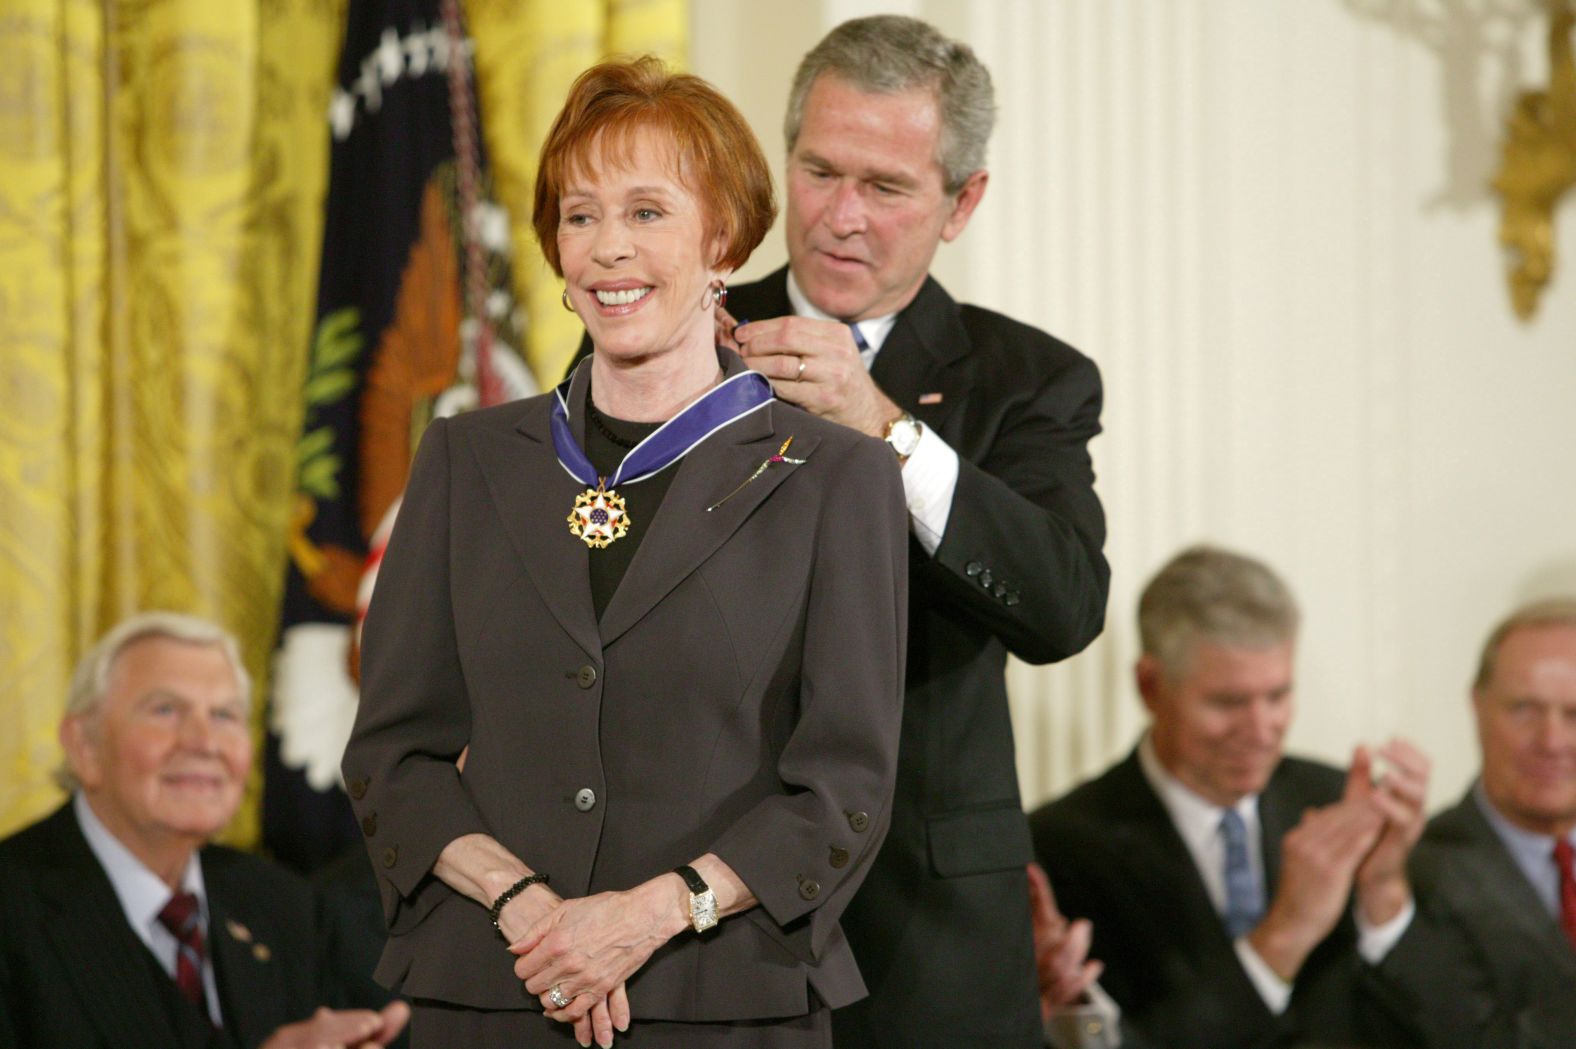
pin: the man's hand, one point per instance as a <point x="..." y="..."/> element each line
<point x="1061" y="949"/>
<point x="1319" y="860"/>
<point x="1400" y="796"/>
<point x="343" y="1029"/>
<point x="815" y="364"/>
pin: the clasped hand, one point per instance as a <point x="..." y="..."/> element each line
<point x="586" y="949"/>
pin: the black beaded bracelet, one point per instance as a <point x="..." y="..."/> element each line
<point x="510" y="893"/>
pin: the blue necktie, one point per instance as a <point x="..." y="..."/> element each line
<point x="1244" y="898"/>
<point x="859" y="338"/>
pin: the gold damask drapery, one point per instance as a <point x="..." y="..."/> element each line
<point x="162" y="166"/>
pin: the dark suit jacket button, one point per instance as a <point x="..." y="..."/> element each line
<point x="809" y="888"/>
<point x="986" y="579"/>
<point x="859" y="820"/>
<point x="586" y="677"/>
<point x="972" y="569"/>
<point x="1011" y="599"/>
<point x="369" y="824"/>
<point x="1000" y="590"/>
<point x="585" y="799"/>
<point x="357" y="788"/>
<point x="839" y="857"/>
<point x="391" y="855"/>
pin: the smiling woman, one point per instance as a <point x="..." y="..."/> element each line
<point x="676" y="766"/>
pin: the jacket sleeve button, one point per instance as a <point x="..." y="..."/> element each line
<point x="369" y="824"/>
<point x="391" y="856"/>
<point x="839" y="858"/>
<point x="357" y="788"/>
<point x="809" y="888"/>
<point x="859" y="821"/>
<point x="1011" y="599"/>
<point x="972" y="569"/>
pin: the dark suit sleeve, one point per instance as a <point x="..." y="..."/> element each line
<point x="414" y="718"/>
<point x="840" y="763"/>
<point x="1021" y="555"/>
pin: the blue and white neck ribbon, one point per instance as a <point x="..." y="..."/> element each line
<point x="599" y="516"/>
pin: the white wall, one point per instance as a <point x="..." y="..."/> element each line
<point x="1267" y="220"/>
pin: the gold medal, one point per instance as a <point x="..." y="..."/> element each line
<point x="599" y="516"/>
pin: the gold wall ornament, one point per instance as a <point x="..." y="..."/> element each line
<point x="1537" y="168"/>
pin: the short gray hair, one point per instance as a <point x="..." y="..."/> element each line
<point x="1554" y="611"/>
<point x="1209" y="594"/>
<point x="888" y="54"/>
<point x="90" y="680"/>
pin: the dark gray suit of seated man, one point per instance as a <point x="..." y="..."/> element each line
<point x="120" y="926"/>
<point x="1496" y="966"/>
<point x="1220" y="875"/>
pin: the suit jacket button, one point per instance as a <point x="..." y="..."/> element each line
<point x="391" y="855"/>
<point x="859" y="821"/>
<point x="839" y="858"/>
<point x="585" y="799"/>
<point x="986" y="579"/>
<point x="586" y="677"/>
<point x="358" y="788"/>
<point x="369" y="824"/>
<point x="999" y="590"/>
<point x="809" y="888"/>
<point x="1011" y="599"/>
<point x="972" y="569"/>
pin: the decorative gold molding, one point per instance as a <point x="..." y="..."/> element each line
<point x="1537" y="168"/>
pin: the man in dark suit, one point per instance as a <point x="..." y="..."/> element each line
<point x="1494" y="874"/>
<point x="120" y="927"/>
<point x="991" y="420"/>
<point x="1218" y="874"/>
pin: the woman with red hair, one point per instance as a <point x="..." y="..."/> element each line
<point x="662" y="616"/>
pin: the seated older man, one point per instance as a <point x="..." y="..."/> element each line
<point x="120" y="926"/>
<point x="1496" y="873"/>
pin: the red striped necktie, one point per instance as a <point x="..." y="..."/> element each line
<point x="180" y="916"/>
<point x="1565" y="859"/>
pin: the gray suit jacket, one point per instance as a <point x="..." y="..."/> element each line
<point x="1490" y="968"/>
<point x="740" y="695"/>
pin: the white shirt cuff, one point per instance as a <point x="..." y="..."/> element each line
<point x="1375" y="941"/>
<point x="1275" y="991"/>
<point x="930" y="478"/>
<point x="1093" y="1025"/>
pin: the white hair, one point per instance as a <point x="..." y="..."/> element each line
<point x="90" y="681"/>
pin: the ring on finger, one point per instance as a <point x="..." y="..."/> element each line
<point x="799" y="375"/>
<point x="559" y="999"/>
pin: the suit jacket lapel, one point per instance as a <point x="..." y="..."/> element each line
<point x="1489" y="869"/>
<point x="96" y="946"/>
<point x="685" y="532"/>
<point x="1170" y="874"/>
<point x="533" y="495"/>
<point x="250" y="992"/>
<point x="926" y="355"/>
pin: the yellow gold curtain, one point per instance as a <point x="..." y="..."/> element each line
<point x="527" y="54"/>
<point x="162" y="166"/>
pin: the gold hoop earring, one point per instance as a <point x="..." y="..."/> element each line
<point x="564" y="298"/>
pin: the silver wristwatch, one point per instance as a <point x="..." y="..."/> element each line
<point x="702" y="901"/>
<point x="903" y="435"/>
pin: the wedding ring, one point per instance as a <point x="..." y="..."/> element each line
<point x="558" y="998"/>
<point x="799" y="375"/>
